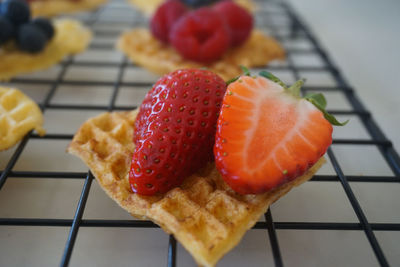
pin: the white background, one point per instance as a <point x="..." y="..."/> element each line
<point x="363" y="38"/>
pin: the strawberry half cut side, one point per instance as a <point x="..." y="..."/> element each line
<point x="267" y="134"/>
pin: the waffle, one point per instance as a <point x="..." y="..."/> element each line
<point x="143" y="49"/>
<point x="49" y="8"/>
<point x="204" y="214"/>
<point x="149" y="6"/>
<point x="18" y="115"/>
<point x="71" y="37"/>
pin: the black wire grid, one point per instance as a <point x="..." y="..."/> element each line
<point x="268" y="16"/>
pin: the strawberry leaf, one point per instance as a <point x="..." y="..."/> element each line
<point x="232" y="80"/>
<point x="319" y="101"/>
<point x="332" y="119"/>
<point x="318" y="98"/>
<point x="273" y="78"/>
<point x="246" y="71"/>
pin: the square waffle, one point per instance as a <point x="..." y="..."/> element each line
<point x="18" y="115"/>
<point x="204" y="214"/>
<point x="49" y="8"/>
<point x="142" y="48"/>
<point x="71" y="37"/>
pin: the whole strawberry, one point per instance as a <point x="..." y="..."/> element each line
<point x="175" y="129"/>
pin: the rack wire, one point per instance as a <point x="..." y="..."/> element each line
<point x="269" y="17"/>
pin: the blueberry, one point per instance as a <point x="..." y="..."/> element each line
<point x="198" y="3"/>
<point x="45" y="25"/>
<point x="31" y="38"/>
<point x="6" y="30"/>
<point x="17" y="11"/>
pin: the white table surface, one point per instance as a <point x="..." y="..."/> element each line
<point x="368" y="59"/>
<point x="363" y="38"/>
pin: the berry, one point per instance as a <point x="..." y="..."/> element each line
<point x="164" y="18"/>
<point x="198" y="3"/>
<point x="175" y="130"/>
<point x="200" y="35"/>
<point x="239" y="20"/>
<point x="267" y="135"/>
<point x="31" y="38"/>
<point x="45" y="25"/>
<point x="16" y="11"/>
<point x="6" y="30"/>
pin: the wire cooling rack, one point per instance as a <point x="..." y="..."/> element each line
<point x="109" y="78"/>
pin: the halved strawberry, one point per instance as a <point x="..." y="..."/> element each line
<point x="267" y="135"/>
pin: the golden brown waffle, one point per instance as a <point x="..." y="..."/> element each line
<point x="204" y="214"/>
<point x="149" y="6"/>
<point x="71" y="37"/>
<point x="49" y="8"/>
<point x="143" y="49"/>
<point x="18" y="115"/>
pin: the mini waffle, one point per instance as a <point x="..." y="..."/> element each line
<point x="204" y="214"/>
<point x="71" y="37"/>
<point x="149" y="6"/>
<point x="18" y="115"/>
<point x="49" y="8"/>
<point x="143" y="49"/>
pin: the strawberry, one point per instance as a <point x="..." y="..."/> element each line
<point x="175" y="130"/>
<point x="267" y="135"/>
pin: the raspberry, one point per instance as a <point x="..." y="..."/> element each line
<point x="201" y="35"/>
<point x="164" y="18"/>
<point x="238" y="19"/>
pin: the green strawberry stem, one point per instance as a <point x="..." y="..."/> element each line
<point x="246" y="71"/>
<point x="232" y="80"/>
<point x="295" y="89"/>
<point x="273" y="78"/>
<point x="317" y="99"/>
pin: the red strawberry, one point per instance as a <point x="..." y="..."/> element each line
<point x="165" y="17"/>
<point x="239" y="20"/>
<point x="200" y="35"/>
<point x="267" y="135"/>
<point x="175" y="129"/>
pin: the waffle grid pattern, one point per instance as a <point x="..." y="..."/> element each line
<point x="279" y="20"/>
<point x="18" y="115"/>
<point x="204" y="213"/>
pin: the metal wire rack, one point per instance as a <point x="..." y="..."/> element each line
<point x="279" y="20"/>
